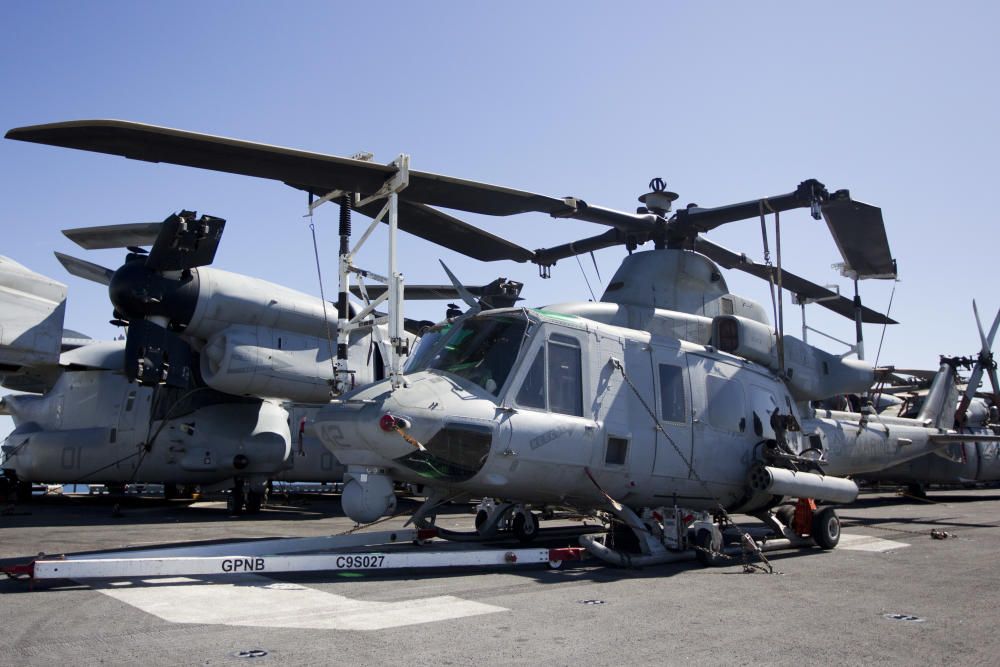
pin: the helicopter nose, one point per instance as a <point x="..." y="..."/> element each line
<point x="376" y="426"/>
<point x="400" y="424"/>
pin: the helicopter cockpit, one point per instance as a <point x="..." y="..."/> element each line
<point x="482" y="349"/>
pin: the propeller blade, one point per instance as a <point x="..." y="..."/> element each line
<point x="859" y="232"/>
<point x="86" y="270"/>
<point x="462" y="292"/>
<point x="793" y="283"/>
<point x="114" y="236"/>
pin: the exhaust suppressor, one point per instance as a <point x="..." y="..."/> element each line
<point x="783" y="482"/>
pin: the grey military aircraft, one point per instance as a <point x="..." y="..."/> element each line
<point x="85" y="422"/>
<point x="961" y="463"/>
<point x="667" y="405"/>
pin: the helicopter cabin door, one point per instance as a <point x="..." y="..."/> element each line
<point x="671" y="401"/>
<point x="721" y="427"/>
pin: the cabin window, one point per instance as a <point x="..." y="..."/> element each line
<point x="532" y="393"/>
<point x="617" y="451"/>
<point x="726" y="404"/>
<point x="130" y="401"/>
<point x="672" y="398"/>
<point x="565" y="384"/>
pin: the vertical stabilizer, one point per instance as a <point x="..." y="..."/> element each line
<point x="938" y="407"/>
<point x="32" y="308"/>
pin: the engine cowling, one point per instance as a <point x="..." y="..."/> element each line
<point x="261" y="361"/>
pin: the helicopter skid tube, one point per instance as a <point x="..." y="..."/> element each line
<point x="619" y="559"/>
<point x="556" y="532"/>
<point x="784" y="482"/>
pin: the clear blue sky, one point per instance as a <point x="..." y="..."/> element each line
<point x="727" y="101"/>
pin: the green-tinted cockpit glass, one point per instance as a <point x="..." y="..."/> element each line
<point x="481" y="349"/>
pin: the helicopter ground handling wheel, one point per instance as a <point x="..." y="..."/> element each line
<point x="826" y="528"/>
<point x="524" y="525"/>
<point x="708" y="547"/>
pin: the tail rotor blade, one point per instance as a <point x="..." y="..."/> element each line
<point x="984" y="363"/>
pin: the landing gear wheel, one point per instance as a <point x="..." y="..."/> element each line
<point x="481" y="517"/>
<point x="254" y="502"/>
<point x="707" y="553"/>
<point x="22" y="491"/>
<point x="826" y="528"/>
<point x="524" y="526"/>
<point x="237" y="498"/>
<point x="170" y="491"/>
<point x="916" y="490"/>
<point x="234" y="504"/>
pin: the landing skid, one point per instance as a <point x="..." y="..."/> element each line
<point x="669" y="535"/>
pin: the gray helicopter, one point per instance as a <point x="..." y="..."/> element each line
<point x="962" y="463"/>
<point x="668" y="405"/>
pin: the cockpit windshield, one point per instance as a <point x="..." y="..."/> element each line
<point x="482" y="350"/>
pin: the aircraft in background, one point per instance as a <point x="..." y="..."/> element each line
<point x="88" y="421"/>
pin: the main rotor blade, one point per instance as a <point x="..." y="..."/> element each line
<point x="323" y="173"/>
<point x="793" y="283"/>
<point x="84" y="269"/>
<point x="450" y="232"/>
<point x="691" y="220"/>
<point x="114" y="236"/>
<point x="859" y="232"/>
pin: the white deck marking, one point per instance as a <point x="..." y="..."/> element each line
<point x="253" y="600"/>
<point x="853" y="542"/>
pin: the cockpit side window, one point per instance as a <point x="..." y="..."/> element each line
<point x="532" y="392"/>
<point x="565" y="382"/>
<point x="554" y="381"/>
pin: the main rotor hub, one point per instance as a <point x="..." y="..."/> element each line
<point x="658" y="200"/>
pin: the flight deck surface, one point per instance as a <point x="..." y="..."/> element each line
<point x="890" y="593"/>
